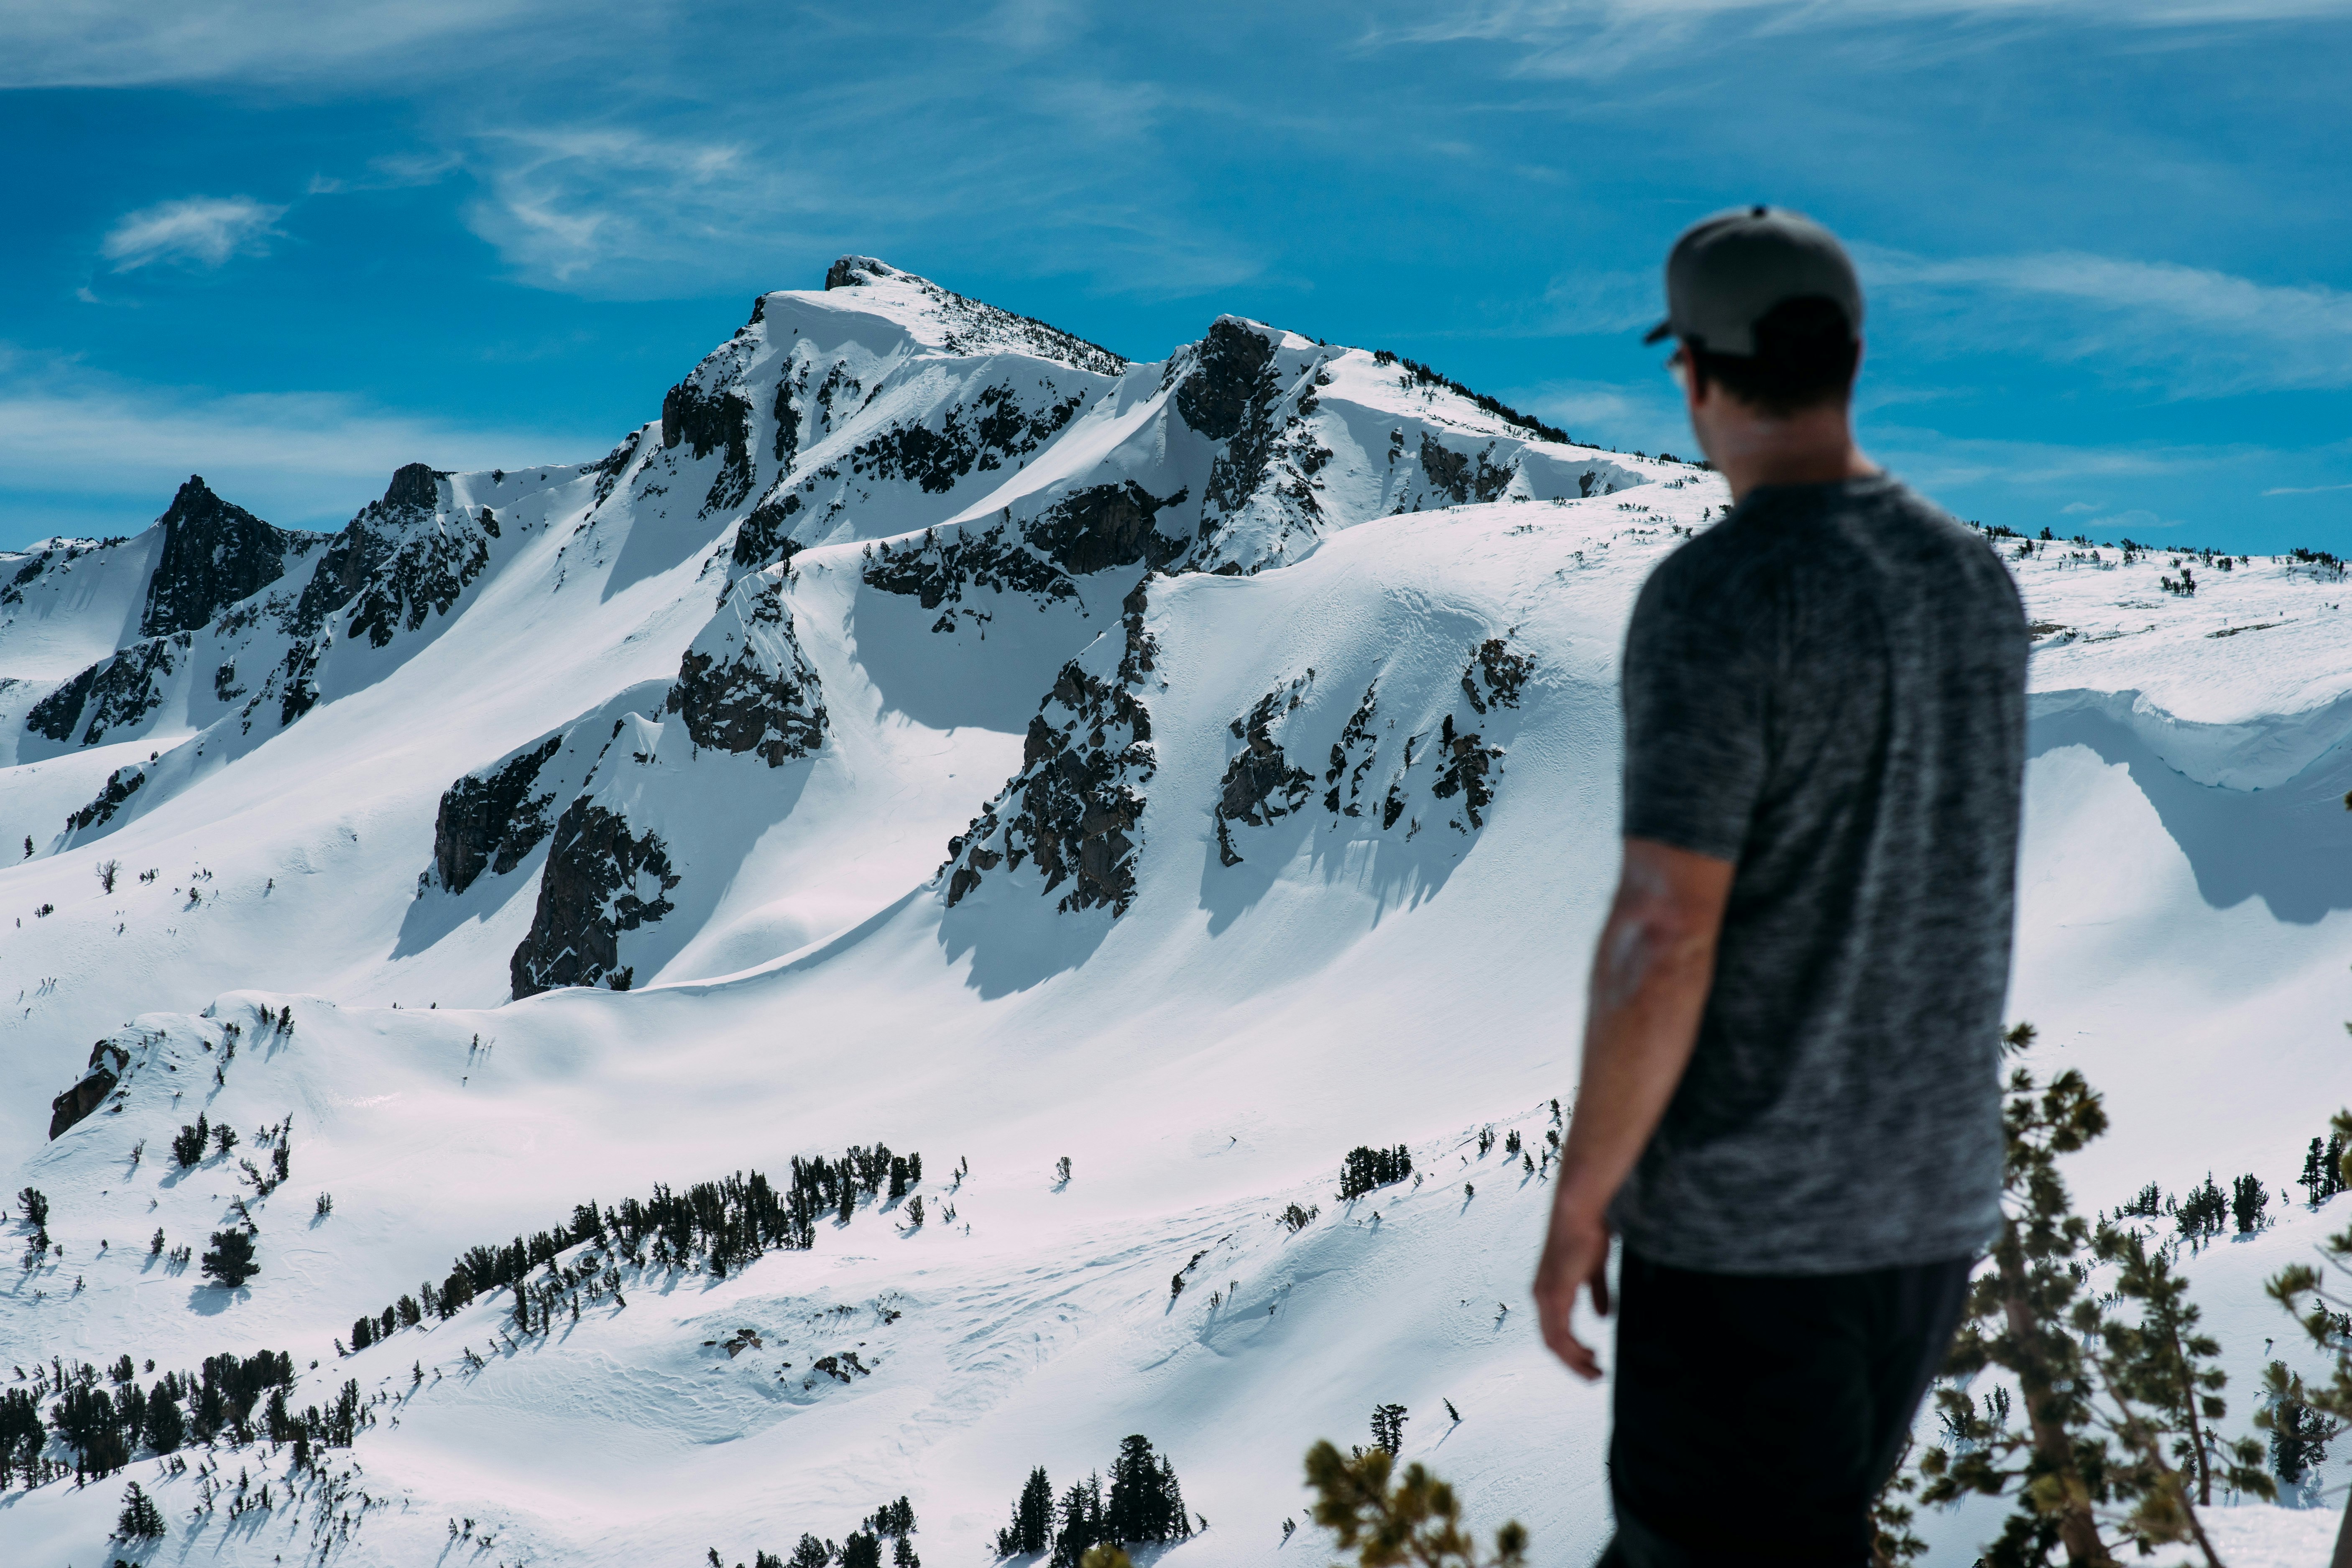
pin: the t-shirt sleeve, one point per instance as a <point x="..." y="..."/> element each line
<point x="1696" y="696"/>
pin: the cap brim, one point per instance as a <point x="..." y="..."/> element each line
<point x="1663" y="331"/>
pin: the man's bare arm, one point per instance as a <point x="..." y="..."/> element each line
<point x="1651" y="972"/>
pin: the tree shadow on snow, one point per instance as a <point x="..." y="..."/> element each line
<point x="2290" y="846"/>
<point x="1396" y="872"/>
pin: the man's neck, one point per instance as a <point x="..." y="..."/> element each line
<point x="1812" y="448"/>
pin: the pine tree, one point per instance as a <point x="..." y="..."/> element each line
<point x="2248" y="1199"/>
<point x="229" y="1260"/>
<point x="1032" y="1518"/>
<point x="2158" y="1394"/>
<point x="1144" y="1505"/>
<point x="861" y="1551"/>
<point x="1081" y="1524"/>
<point x="812" y="1552"/>
<point x="141" y="1520"/>
<point x="2017" y="1319"/>
<point x="2300" y="1431"/>
<point x="188" y="1143"/>
<point x="1388" y="1427"/>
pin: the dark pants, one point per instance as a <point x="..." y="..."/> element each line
<point x="1757" y="1415"/>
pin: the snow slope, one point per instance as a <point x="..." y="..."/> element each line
<point x="954" y="735"/>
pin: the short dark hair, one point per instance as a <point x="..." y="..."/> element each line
<point x="1805" y="356"/>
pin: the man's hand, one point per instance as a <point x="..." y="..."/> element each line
<point x="1650" y="970"/>
<point x="1575" y="1254"/>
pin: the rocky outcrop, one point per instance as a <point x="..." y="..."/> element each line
<point x="1495" y="676"/>
<point x="1465" y="477"/>
<point x="116" y="692"/>
<point x="491" y="820"/>
<point x="600" y="879"/>
<point x="1463" y="765"/>
<point x="707" y="421"/>
<point x="745" y="686"/>
<point x="1075" y="809"/>
<point x="937" y="570"/>
<point x="1104" y="526"/>
<point x="397" y="562"/>
<point x="57" y="715"/>
<point x="213" y="554"/>
<point x="994" y="431"/>
<point x="107" y="1061"/>
<point x="121" y="785"/>
<point x="1260" y="783"/>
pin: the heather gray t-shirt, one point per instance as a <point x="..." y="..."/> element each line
<point x="1827" y="688"/>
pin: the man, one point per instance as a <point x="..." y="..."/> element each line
<point x="1790" y="1109"/>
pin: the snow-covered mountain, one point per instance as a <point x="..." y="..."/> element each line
<point x="938" y="732"/>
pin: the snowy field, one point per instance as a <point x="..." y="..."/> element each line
<point x="1298" y="669"/>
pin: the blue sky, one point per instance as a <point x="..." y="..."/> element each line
<point x="2107" y="244"/>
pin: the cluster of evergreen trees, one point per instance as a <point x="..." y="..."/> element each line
<point x="721" y="1225"/>
<point x="109" y="1420"/>
<point x="2323" y="1169"/>
<point x="1144" y="1505"/>
<point x="1369" y="1168"/>
<point x="2209" y="1209"/>
<point x="893" y="1521"/>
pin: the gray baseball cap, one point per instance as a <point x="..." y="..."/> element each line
<point x="1729" y="270"/>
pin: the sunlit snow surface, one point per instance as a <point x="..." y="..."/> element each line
<point x="1204" y="1060"/>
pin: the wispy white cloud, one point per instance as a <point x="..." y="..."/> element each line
<point x="2189" y="330"/>
<point x="202" y="231"/>
<point x="121" y="43"/>
<point x="294" y="457"/>
<point x="2303" y="489"/>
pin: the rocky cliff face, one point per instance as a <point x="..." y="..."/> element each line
<point x="1073" y="812"/>
<point x="746" y="686"/>
<point x="214" y="554"/>
<point x="491" y="820"/>
<point x="603" y="876"/>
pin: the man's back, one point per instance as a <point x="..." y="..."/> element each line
<point x="1827" y="690"/>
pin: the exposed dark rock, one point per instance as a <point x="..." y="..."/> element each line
<point x="1353" y="755"/>
<point x="57" y="715"/>
<point x="298" y="676"/>
<point x="706" y="422"/>
<point x="394" y="562"/>
<point x="760" y="539"/>
<point x="213" y="554"/>
<point x="936" y="572"/>
<point x="130" y="685"/>
<point x="1260" y="783"/>
<point x="609" y="469"/>
<point x="1495" y="676"/>
<point x="593" y="888"/>
<point x="1104" y="526"/>
<point x="1075" y="806"/>
<point x="746" y="686"/>
<point x="121" y="785"/>
<point x="492" y="819"/>
<point x="999" y="432"/>
<point x="414" y="485"/>
<point x="1462" y="768"/>
<point x="107" y="1063"/>
<point x="1465" y="477"/>
<point x="1234" y="382"/>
